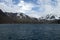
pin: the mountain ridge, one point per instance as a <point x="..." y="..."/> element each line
<point x="12" y="18"/>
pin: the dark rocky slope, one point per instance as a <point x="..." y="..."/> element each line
<point x="4" y="18"/>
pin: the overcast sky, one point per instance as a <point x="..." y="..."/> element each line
<point x="34" y="8"/>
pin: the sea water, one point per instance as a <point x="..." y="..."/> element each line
<point x="29" y="31"/>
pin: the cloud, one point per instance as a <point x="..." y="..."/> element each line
<point x="8" y="6"/>
<point x="50" y="6"/>
<point x="25" y="6"/>
<point x="43" y="7"/>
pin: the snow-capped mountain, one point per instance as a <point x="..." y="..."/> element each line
<point x="50" y="17"/>
<point x="6" y="17"/>
<point x="24" y="16"/>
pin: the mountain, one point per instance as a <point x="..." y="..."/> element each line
<point x="23" y="18"/>
<point x="5" y="18"/>
<point x="8" y="17"/>
<point x="12" y="18"/>
<point x="50" y="17"/>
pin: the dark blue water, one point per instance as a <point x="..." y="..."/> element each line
<point x="29" y="31"/>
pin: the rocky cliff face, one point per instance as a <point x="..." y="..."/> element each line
<point x="4" y="18"/>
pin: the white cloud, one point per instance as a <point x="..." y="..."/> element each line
<point x="25" y="6"/>
<point x="33" y="13"/>
<point x="50" y="7"/>
<point x="8" y="6"/>
<point x="45" y="7"/>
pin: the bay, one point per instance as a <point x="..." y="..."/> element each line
<point x="29" y="31"/>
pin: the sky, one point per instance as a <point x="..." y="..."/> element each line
<point x="33" y="8"/>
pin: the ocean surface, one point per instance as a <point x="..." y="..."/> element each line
<point x="29" y="31"/>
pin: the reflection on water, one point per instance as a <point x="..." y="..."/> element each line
<point x="29" y="32"/>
